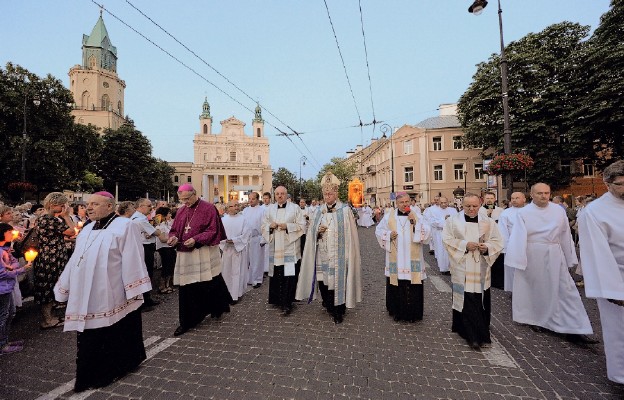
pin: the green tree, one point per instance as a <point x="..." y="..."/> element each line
<point x="284" y="177"/>
<point x="541" y="67"/>
<point x="158" y="176"/>
<point x="343" y="170"/>
<point x="598" y="88"/>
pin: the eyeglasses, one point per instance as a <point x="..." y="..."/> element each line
<point x="185" y="198"/>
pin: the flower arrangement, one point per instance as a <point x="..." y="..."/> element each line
<point x="21" y="187"/>
<point x="506" y="163"/>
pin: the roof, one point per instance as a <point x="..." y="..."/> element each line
<point x="98" y="36"/>
<point x="445" y="121"/>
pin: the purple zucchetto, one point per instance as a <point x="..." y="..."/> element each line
<point x="187" y="187"/>
<point x="104" y="194"/>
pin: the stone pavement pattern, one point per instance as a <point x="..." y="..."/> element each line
<point x="254" y="353"/>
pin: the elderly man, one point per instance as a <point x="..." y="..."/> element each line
<point x="282" y="226"/>
<point x="103" y="284"/>
<point x="437" y="220"/>
<point x="540" y="249"/>
<point x="493" y="211"/>
<point x="235" y="255"/>
<point x="332" y="256"/>
<point x="505" y="225"/>
<point x="473" y="242"/>
<point x="601" y="238"/>
<point x="253" y="216"/>
<point x="427" y="215"/>
<point x="266" y="201"/>
<point x="401" y="234"/>
<point x="305" y="210"/>
<point x="196" y="233"/>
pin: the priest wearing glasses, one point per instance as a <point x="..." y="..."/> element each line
<point x="196" y="233"/>
<point x="103" y="284"/>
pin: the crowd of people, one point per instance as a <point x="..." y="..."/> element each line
<point x="97" y="263"/>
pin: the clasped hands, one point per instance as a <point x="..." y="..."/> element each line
<point x="187" y="243"/>
<point x="279" y="227"/>
<point x="473" y="246"/>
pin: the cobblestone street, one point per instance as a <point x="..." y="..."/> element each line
<point x="255" y="353"/>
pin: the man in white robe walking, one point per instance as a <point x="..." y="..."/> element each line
<point x="601" y="238"/>
<point x="540" y="248"/>
<point x="493" y="211"/>
<point x="437" y="219"/>
<point x="253" y="216"/>
<point x="235" y="257"/>
<point x="505" y="225"/>
<point x="427" y="214"/>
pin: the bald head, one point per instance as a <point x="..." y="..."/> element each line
<point x="540" y="192"/>
<point x="443" y="202"/>
<point x="518" y="199"/>
<point x="281" y="194"/>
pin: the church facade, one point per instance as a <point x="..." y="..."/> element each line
<point x="229" y="164"/>
<point x="97" y="89"/>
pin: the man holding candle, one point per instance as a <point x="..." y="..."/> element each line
<point x="103" y="285"/>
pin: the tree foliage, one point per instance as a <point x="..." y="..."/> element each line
<point x="284" y="177"/>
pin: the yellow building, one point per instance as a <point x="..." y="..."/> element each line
<point x="429" y="160"/>
<point x="228" y="164"/>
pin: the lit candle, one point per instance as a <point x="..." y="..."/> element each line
<point x="76" y="229"/>
<point x="80" y="224"/>
<point x="15" y="234"/>
<point x="30" y="255"/>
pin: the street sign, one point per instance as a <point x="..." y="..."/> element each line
<point x="392" y="196"/>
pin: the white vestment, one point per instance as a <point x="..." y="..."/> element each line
<point x="365" y="217"/>
<point x="437" y="218"/>
<point x="105" y="278"/>
<point x="235" y="261"/>
<point x="495" y="214"/>
<point x="266" y="249"/>
<point x="256" y="246"/>
<point x="284" y="246"/>
<point x="601" y="238"/>
<point x="505" y="224"/>
<point x="540" y="248"/>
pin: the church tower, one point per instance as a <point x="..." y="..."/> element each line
<point x="205" y="120"/>
<point x="258" y="123"/>
<point x="98" y="92"/>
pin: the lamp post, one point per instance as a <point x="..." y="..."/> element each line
<point x="385" y="128"/>
<point x="36" y="102"/>
<point x="465" y="185"/>
<point x="477" y="8"/>
<point x="302" y="162"/>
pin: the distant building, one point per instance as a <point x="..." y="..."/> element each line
<point x="229" y="164"/>
<point x="429" y="160"/>
<point x="97" y="89"/>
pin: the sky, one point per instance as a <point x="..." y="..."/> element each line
<point x="283" y="54"/>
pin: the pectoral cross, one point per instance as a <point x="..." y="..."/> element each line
<point x="187" y="228"/>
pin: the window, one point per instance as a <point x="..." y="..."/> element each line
<point x="176" y="179"/>
<point x="105" y="102"/>
<point x="258" y="132"/>
<point x="205" y="129"/>
<point x="105" y="84"/>
<point x="92" y="62"/>
<point x="188" y="179"/>
<point x="589" y="169"/>
<point x="457" y="143"/>
<point x="232" y="156"/>
<point x="259" y="158"/>
<point x="437" y="173"/>
<point x="408" y="147"/>
<point x="478" y="171"/>
<point x="409" y="174"/>
<point x="437" y="143"/>
<point x="458" y="169"/>
<point x="565" y="167"/>
<point x="234" y="179"/>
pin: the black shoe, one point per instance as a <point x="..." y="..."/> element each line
<point x="474" y="346"/>
<point x="537" y="329"/>
<point x="286" y="311"/>
<point x="233" y="302"/>
<point x="146" y="308"/>
<point x="338" y="319"/>
<point x="431" y="252"/>
<point x="257" y="285"/>
<point x="180" y="330"/>
<point x="580" y="339"/>
<point x="151" y="303"/>
<point x="446" y="273"/>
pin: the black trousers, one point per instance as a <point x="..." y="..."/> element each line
<point x="473" y="322"/>
<point x="199" y="299"/>
<point x="328" y="300"/>
<point x="405" y="302"/>
<point x="282" y="288"/>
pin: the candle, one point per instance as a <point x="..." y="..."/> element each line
<point x="80" y="224"/>
<point x="15" y="234"/>
<point x="76" y="230"/>
<point x="30" y="255"/>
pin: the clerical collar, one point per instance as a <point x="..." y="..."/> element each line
<point x="194" y="204"/>
<point x="471" y="219"/>
<point x="331" y="208"/>
<point x="104" y="222"/>
<point x="403" y="214"/>
<point x="281" y="205"/>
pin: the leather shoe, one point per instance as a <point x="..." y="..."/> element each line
<point x="180" y="330"/>
<point x="580" y="339"/>
<point x="474" y="346"/>
<point x="257" y="285"/>
<point x="537" y="329"/>
<point x="145" y="308"/>
<point x="151" y="303"/>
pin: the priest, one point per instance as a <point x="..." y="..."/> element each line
<point x="473" y="243"/>
<point x="401" y="234"/>
<point x="283" y="224"/>
<point x="196" y="233"/>
<point x="540" y="248"/>
<point x="601" y="238"/>
<point x="103" y="284"/>
<point x="505" y="225"/>
<point x="332" y="258"/>
<point x="253" y="220"/>
<point x="235" y="257"/>
<point x="437" y="219"/>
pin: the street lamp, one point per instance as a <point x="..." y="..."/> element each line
<point x="302" y="162"/>
<point x="385" y="128"/>
<point x="477" y="8"/>
<point x="36" y="102"/>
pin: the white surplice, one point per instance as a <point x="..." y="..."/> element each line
<point x="437" y="218"/>
<point x="235" y="259"/>
<point x="105" y="277"/>
<point x="284" y="246"/>
<point x="256" y="246"/>
<point x="601" y="238"/>
<point x="365" y="217"/>
<point x="505" y="224"/>
<point x="540" y="248"/>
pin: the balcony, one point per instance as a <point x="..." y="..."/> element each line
<point x="371" y="190"/>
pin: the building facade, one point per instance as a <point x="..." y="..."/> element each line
<point x="425" y="160"/>
<point x="229" y="164"/>
<point x="97" y="89"/>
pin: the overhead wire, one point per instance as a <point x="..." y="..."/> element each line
<point x="101" y="6"/>
<point x="370" y="83"/>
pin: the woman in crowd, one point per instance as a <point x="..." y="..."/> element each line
<point x="51" y="229"/>
<point x="9" y="270"/>
<point x="80" y="214"/>
<point x="126" y="209"/>
<point x="162" y="222"/>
